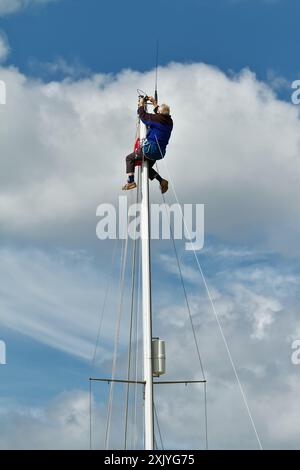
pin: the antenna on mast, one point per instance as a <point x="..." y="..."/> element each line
<point x="156" y="68"/>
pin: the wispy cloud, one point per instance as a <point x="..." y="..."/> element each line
<point x="60" y="69"/>
<point x="54" y="299"/>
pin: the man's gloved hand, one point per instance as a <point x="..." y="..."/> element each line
<point x="153" y="101"/>
<point x="141" y="101"/>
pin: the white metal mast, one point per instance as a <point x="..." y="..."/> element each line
<point x="147" y="307"/>
<point x="153" y="348"/>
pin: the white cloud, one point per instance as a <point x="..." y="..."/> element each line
<point x="11" y="6"/>
<point x="61" y="424"/>
<point x="259" y="308"/>
<point x="264" y="368"/>
<point x="232" y="137"/>
<point x="54" y="299"/>
<point x="242" y="147"/>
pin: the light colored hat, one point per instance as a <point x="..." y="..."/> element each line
<point x="164" y="109"/>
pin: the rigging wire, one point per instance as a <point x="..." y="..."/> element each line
<point x="124" y="256"/>
<point x="117" y="336"/>
<point x="90" y="407"/>
<point x="218" y="321"/>
<point x="158" y="427"/>
<point x="190" y="318"/>
<point x="137" y="342"/>
<point x="156" y="72"/>
<point x="107" y="290"/>
<point x="134" y="252"/>
<point x="205" y="415"/>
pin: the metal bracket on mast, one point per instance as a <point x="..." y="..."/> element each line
<point x="142" y="382"/>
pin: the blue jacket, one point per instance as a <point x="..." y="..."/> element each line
<point x="159" y="126"/>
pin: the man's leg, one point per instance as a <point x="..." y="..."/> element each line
<point x="130" y="167"/>
<point x="154" y="175"/>
<point x="130" y="164"/>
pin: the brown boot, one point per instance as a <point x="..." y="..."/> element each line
<point x="164" y="186"/>
<point x="129" y="186"/>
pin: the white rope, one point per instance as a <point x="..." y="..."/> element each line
<point x="136" y="386"/>
<point x="90" y="412"/>
<point x="217" y="319"/>
<point x="158" y="427"/>
<point x="117" y="339"/>
<point x="107" y="290"/>
<point x="191" y="321"/>
<point x="132" y="297"/>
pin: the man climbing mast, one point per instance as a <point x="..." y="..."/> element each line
<point x="159" y="128"/>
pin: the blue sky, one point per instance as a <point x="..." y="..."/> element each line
<point x="109" y="36"/>
<point x="242" y="142"/>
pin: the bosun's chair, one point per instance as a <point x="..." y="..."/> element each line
<point x="136" y="147"/>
